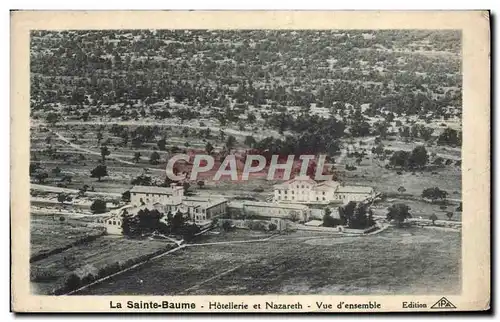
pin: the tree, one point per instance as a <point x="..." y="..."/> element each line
<point x="438" y="161"/>
<point x="398" y="212"/>
<point x="137" y="157"/>
<point x="126" y="196"/>
<point x="272" y="227"/>
<point x="201" y="184"/>
<point x="52" y="118"/>
<point x="449" y="137"/>
<point x="104" y="153"/>
<point x="249" y="141"/>
<point x="56" y="171"/>
<point x="142" y="180"/>
<point x="99" y="136"/>
<point x="418" y="157"/>
<point x="154" y="158"/>
<point x="329" y="221"/>
<point x="226" y="225"/>
<point x="433" y="218"/>
<point x="401" y="189"/>
<point x="98" y="206"/>
<point x="209" y="148"/>
<point x="62" y="197"/>
<point x="99" y="172"/>
<point x="230" y="142"/>
<point x="162" y="144"/>
<point x="399" y="159"/>
<point x="426" y="133"/>
<point x="41" y="176"/>
<point x="378" y="150"/>
<point x="434" y="194"/>
<point x="449" y="214"/>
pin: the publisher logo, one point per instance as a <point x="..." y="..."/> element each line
<point x="443" y="303"/>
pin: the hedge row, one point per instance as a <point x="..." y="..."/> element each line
<point x="73" y="281"/>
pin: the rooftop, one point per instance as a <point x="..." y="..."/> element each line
<point x="275" y="205"/>
<point x="155" y="190"/>
<point x="354" y="189"/>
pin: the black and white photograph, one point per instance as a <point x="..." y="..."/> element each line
<point x="228" y="162"/>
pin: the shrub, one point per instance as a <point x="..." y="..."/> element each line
<point x="272" y="227"/>
<point x="72" y="282"/>
<point x="98" y="206"/>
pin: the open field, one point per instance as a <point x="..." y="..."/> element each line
<point x="48" y="235"/>
<point x="51" y="273"/>
<point x="396" y="261"/>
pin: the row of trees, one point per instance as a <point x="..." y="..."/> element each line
<point x="146" y="222"/>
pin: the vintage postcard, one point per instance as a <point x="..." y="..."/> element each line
<point x="260" y="161"/>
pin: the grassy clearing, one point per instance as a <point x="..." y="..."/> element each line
<point x="50" y="273"/>
<point x="47" y="234"/>
<point x="397" y="261"/>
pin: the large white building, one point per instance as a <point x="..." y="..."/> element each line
<point x="292" y="211"/>
<point x="150" y="194"/>
<point x="306" y="190"/>
<point x="165" y="200"/>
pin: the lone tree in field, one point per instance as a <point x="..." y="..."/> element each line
<point x="433" y="218"/>
<point x="98" y="206"/>
<point x="201" y="184"/>
<point x="419" y="157"/>
<point x="99" y="172"/>
<point x="62" y="197"/>
<point x="401" y="189"/>
<point x="449" y="214"/>
<point x="154" y="158"/>
<point x="399" y="213"/>
<point x="162" y="144"/>
<point x="137" y="157"/>
<point x="104" y="153"/>
<point x="434" y="194"/>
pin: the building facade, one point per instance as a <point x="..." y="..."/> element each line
<point x="291" y="211"/>
<point x="165" y="200"/>
<point x="306" y="190"/>
<point x="149" y="194"/>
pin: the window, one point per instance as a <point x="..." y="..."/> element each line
<point x="279" y="191"/>
<point x="302" y="186"/>
<point x="286" y="192"/>
<point x="109" y="222"/>
<point x="293" y="192"/>
<point x="293" y="198"/>
<point x="297" y="186"/>
<point x="114" y="222"/>
<point x="323" y="193"/>
<point x="323" y="198"/>
<point x="317" y="198"/>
